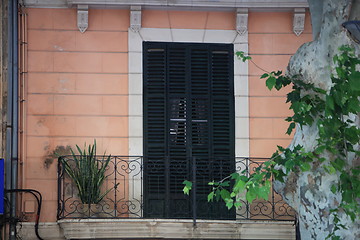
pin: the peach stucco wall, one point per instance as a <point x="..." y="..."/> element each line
<point x="77" y="83"/>
<point x="76" y="89"/>
<point x="188" y="19"/>
<point x="271" y="44"/>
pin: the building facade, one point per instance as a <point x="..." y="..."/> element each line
<point x="158" y="80"/>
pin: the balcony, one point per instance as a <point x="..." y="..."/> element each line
<point x="151" y="203"/>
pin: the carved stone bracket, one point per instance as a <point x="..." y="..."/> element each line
<point x="82" y="17"/>
<point x="135" y="18"/>
<point x="242" y="20"/>
<point x="299" y="21"/>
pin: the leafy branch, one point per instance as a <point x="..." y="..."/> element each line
<point x="333" y="113"/>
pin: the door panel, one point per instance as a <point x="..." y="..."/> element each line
<point x="188" y="126"/>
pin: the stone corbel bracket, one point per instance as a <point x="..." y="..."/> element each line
<point x="242" y="20"/>
<point x="135" y="18"/>
<point x="299" y="21"/>
<point x="82" y="17"/>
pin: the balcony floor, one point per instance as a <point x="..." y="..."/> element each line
<point x="162" y="229"/>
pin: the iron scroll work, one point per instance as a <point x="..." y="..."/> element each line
<point x="126" y="196"/>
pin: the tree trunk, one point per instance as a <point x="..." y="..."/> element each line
<point x="309" y="192"/>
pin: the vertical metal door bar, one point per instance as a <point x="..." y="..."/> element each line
<point x="194" y="190"/>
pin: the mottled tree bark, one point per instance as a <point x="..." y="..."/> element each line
<point x="309" y="192"/>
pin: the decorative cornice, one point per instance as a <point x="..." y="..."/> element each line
<point x="242" y="20"/>
<point x="135" y="18"/>
<point x="82" y="17"/>
<point x="252" y="4"/>
<point x="299" y="21"/>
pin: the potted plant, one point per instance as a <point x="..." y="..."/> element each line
<point x="87" y="171"/>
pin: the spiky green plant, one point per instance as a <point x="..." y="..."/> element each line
<point x="88" y="173"/>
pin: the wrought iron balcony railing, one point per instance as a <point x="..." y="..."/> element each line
<point x="134" y="189"/>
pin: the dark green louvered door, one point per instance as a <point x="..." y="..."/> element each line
<point x="188" y="126"/>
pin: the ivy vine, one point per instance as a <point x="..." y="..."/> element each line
<point x="333" y="112"/>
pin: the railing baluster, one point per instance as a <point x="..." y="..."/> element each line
<point x="142" y="186"/>
<point x="273" y="198"/>
<point x="115" y="194"/>
<point x="59" y="212"/>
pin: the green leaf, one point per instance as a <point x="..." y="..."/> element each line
<point x="225" y="194"/>
<point x="319" y="90"/>
<point x="278" y="83"/>
<point x="320" y="149"/>
<point x="304" y="166"/>
<point x="224" y="184"/>
<point x="187" y="187"/>
<point x="187" y="183"/>
<point x="270" y="82"/>
<point x="289" y="164"/>
<point x="217" y="194"/>
<point x="237" y="204"/>
<point x="265" y="75"/>
<point x="263" y="192"/>
<point x="354" y="81"/>
<point x="289" y="119"/>
<point x="239" y="186"/>
<point x="210" y="197"/>
<point x="330" y="102"/>
<point x="235" y="175"/>
<point x="241" y="55"/>
<point x="352" y="134"/>
<point x="186" y="190"/>
<point x="229" y="203"/>
<point x="352" y="215"/>
<point x="340" y="72"/>
<point x="333" y="189"/>
<point x="354" y="105"/>
<point x="250" y="196"/>
<point x="293" y="96"/>
<point x="347" y="196"/>
<point x="290" y="128"/>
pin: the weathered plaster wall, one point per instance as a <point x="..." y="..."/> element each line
<point x="271" y="44"/>
<point x="76" y="92"/>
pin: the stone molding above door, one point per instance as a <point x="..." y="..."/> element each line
<point x="196" y="36"/>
